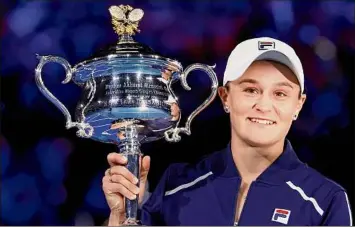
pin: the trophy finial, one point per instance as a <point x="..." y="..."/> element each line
<point x="125" y="19"/>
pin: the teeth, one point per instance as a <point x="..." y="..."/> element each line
<point x="265" y="122"/>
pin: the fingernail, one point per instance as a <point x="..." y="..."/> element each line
<point x="135" y="180"/>
<point x="133" y="197"/>
<point x="124" y="158"/>
<point x="136" y="190"/>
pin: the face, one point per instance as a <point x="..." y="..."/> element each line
<point x="262" y="103"/>
<point x="175" y="111"/>
<point x="166" y="74"/>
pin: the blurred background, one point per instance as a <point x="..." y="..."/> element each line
<point x="51" y="177"/>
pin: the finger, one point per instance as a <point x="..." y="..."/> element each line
<point x="140" y="162"/>
<point x="113" y="188"/>
<point x="116" y="159"/>
<point x="121" y="170"/>
<point x="145" y="166"/>
<point x="106" y="179"/>
<point x="127" y="184"/>
<point x="107" y="172"/>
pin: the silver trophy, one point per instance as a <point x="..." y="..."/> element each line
<point x="126" y="97"/>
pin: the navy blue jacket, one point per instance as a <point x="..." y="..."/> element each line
<point x="286" y="193"/>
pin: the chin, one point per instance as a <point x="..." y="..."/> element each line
<point x="260" y="141"/>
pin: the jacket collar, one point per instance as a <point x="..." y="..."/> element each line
<point x="280" y="171"/>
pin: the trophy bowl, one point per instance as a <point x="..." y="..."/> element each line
<point x="126" y="96"/>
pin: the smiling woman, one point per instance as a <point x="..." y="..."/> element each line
<point x="263" y="103"/>
<point x="257" y="179"/>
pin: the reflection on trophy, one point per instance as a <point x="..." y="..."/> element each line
<point x="165" y="76"/>
<point x="174" y="109"/>
<point x="126" y="96"/>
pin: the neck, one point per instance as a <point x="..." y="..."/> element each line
<point x="250" y="160"/>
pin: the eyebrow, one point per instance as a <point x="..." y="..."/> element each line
<point x="252" y="81"/>
<point x="284" y="84"/>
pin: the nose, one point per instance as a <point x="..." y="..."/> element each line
<point x="263" y="104"/>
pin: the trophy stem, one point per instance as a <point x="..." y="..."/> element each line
<point x="130" y="147"/>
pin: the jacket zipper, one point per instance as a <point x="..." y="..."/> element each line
<point x="245" y="203"/>
<point x="235" y="204"/>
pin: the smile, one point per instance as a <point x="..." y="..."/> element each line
<point x="261" y="121"/>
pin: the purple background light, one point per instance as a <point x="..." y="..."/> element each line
<point x="52" y="177"/>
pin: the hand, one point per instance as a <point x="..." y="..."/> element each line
<point x="119" y="182"/>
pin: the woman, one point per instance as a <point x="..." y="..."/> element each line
<point x="257" y="179"/>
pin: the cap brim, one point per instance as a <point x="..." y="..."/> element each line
<point x="272" y="55"/>
<point x="277" y="56"/>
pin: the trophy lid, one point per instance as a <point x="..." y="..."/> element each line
<point x="126" y="51"/>
<point x="125" y="21"/>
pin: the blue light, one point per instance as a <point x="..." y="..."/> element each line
<point x="326" y="105"/>
<point x="308" y="34"/>
<point x="332" y="7"/>
<point x="42" y="146"/>
<point x="20" y="199"/>
<point x="19" y="21"/>
<point x="41" y="42"/>
<point x="283" y="14"/>
<point x="52" y="168"/>
<point x="95" y="196"/>
<point x="62" y="146"/>
<point x="349" y="12"/>
<point x="52" y="156"/>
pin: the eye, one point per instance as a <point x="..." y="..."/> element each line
<point x="280" y="94"/>
<point x="251" y="90"/>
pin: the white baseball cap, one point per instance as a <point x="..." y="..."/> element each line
<point x="263" y="48"/>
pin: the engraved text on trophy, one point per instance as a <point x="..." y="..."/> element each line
<point x="130" y="90"/>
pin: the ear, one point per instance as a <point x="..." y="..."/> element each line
<point x="223" y="95"/>
<point x="299" y="106"/>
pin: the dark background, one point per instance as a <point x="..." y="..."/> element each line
<point x="51" y="177"/>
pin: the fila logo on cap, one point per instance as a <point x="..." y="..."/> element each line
<point x="281" y="216"/>
<point x="266" y="45"/>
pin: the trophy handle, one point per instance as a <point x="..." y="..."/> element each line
<point x="172" y="135"/>
<point x="85" y="130"/>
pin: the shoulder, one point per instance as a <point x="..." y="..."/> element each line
<point x="331" y="197"/>
<point x="180" y="174"/>
<point x="316" y="179"/>
<point x="316" y="188"/>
